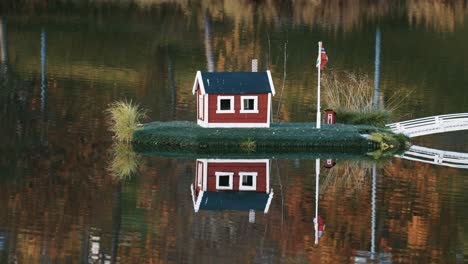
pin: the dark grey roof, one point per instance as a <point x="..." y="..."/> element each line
<point x="236" y="82"/>
<point x="240" y="201"/>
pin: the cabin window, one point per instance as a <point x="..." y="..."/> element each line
<point x="249" y="104"/>
<point x="224" y="180"/>
<point x="225" y="104"/>
<point x="248" y="181"/>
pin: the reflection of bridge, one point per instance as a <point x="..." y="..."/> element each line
<point x="431" y="125"/>
<point x="437" y="157"/>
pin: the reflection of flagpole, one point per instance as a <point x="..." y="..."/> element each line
<point x="3" y="43"/>
<point x="172" y="84"/>
<point x="377" y="69"/>
<point x="116" y="221"/>
<point x="374" y="191"/>
<point x="318" y="84"/>
<point x="317" y="174"/>
<point x="43" y="69"/>
<point x="208" y="52"/>
<point x="3" y="48"/>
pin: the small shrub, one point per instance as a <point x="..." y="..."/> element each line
<point x="390" y="141"/>
<point x="248" y="145"/>
<point x="125" y="117"/>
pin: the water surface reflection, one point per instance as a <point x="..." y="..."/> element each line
<point x="61" y="65"/>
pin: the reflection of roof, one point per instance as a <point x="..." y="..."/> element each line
<point x="235" y="82"/>
<point x="240" y="201"/>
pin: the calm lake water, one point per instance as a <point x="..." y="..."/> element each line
<point x="61" y="64"/>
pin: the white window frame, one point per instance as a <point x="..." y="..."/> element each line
<point x="222" y="173"/>
<point x="254" y="181"/>
<point x="255" y="110"/>
<point x="218" y="106"/>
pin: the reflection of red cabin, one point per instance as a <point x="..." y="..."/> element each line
<point x="232" y="185"/>
<point x="233" y="99"/>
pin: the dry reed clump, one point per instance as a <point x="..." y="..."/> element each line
<point x="125" y="117"/>
<point x="124" y="161"/>
<point x="351" y="96"/>
<point x="351" y="175"/>
<point x="348" y="92"/>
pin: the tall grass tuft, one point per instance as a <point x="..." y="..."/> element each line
<point x="125" y="117"/>
<point x="351" y="95"/>
<point x="349" y="91"/>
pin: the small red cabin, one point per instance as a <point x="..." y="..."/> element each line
<point x="233" y="99"/>
<point x="232" y="185"/>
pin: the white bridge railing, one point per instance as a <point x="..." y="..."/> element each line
<point x="437" y="157"/>
<point x="431" y="125"/>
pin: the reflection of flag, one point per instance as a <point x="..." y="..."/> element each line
<point x="322" y="59"/>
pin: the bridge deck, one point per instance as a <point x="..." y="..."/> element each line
<point x="431" y="125"/>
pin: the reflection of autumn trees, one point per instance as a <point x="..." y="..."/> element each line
<point x="55" y="177"/>
<point x="441" y="16"/>
<point x="419" y="212"/>
<point x="158" y="223"/>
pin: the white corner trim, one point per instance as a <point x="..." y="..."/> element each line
<point x="198" y="80"/>
<point x="255" y="110"/>
<point x="218" y="104"/>
<point x="205" y="175"/>
<point x="269" y="110"/>
<point x="222" y="173"/>
<point x="192" y="191"/>
<point x="204" y="122"/>
<point x="267" y="207"/>
<point x="200" y="103"/>
<point x="273" y="91"/>
<point x="267" y="176"/>
<point x="201" y="123"/>
<point x="197" y="202"/>
<point x="200" y="176"/>
<point x="206" y="116"/>
<point x="254" y="181"/>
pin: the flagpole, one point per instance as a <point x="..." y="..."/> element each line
<point x="318" y="84"/>
<point x="317" y="174"/>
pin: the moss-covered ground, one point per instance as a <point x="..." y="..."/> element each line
<point x="280" y="138"/>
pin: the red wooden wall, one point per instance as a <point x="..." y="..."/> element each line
<point x="237" y="117"/>
<point x="236" y="167"/>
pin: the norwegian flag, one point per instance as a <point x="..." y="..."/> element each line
<point x="322" y="58"/>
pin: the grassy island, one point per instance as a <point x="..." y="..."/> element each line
<point x="279" y="138"/>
